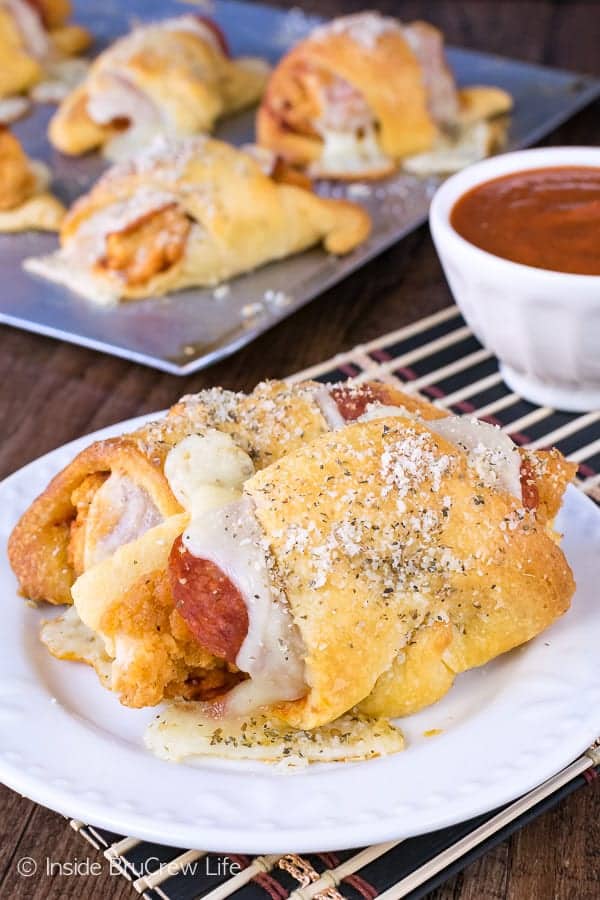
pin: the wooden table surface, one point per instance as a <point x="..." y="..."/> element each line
<point x="52" y="392"/>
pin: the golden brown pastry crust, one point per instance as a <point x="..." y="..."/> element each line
<point x="70" y="39"/>
<point x="24" y="201"/>
<point x="18" y="181"/>
<point x="216" y="208"/>
<point x="179" y="66"/>
<point x="516" y="595"/>
<point x="20" y="70"/>
<point x="54" y="13"/>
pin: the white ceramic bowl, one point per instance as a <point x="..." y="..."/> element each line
<point x="544" y="326"/>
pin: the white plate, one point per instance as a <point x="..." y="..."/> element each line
<point x="68" y="744"/>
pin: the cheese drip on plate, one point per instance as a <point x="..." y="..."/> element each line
<point x="187" y="730"/>
<point x="207" y="473"/>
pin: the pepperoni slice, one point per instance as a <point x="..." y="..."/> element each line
<point x="352" y="402"/>
<point x="218" y="33"/>
<point x="209" y="602"/>
<point x="529" y="488"/>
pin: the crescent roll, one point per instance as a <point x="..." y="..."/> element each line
<point x="173" y="77"/>
<point x="25" y="202"/>
<point x="365" y="92"/>
<point x="190" y="213"/>
<point x="33" y="35"/>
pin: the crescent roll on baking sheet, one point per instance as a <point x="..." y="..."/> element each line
<point x="365" y="93"/>
<point x="174" y="77"/>
<point x="34" y="35"/>
<point x="191" y="213"/>
<point x="113" y="515"/>
<point x="25" y="201"/>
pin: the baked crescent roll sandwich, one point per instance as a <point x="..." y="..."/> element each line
<point x="364" y="93"/>
<point x="111" y="518"/>
<point x="33" y="35"/>
<point x="191" y="213"/>
<point x="25" y="201"/>
<point x="150" y="531"/>
<point x="174" y="77"/>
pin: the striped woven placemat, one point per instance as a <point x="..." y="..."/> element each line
<point x="439" y="357"/>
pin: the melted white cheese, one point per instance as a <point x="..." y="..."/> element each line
<point x="67" y="637"/>
<point x="207" y="473"/>
<point x="60" y="268"/>
<point x="490" y="451"/>
<point x="13" y="108"/>
<point x="350" y="153"/>
<point x="381" y="411"/>
<point x="121" y="511"/>
<point x="453" y="153"/>
<point x="231" y="538"/>
<point x="329" y="408"/>
<point x="186" y="730"/>
<point x="116" y="97"/>
<point x="62" y="76"/>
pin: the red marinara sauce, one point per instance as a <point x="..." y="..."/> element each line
<point x="548" y="218"/>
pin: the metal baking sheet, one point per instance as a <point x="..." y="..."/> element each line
<point x="191" y="329"/>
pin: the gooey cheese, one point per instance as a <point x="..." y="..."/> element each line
<point x="347" y="153"/>
<point x="119" y="99"/>
<point x="185" y="730"/>
<point x="207" y="473"/>
<point x="120" y="512"/>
